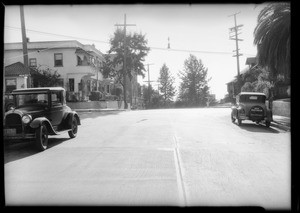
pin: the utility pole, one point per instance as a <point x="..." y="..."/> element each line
<point x="24" y="42"/>
<point x="235" y="30"/>
<point x="148" y="83"/>
<point x="124" y="63"/>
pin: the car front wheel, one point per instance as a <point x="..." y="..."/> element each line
<point x="232" y="119"/>
<point x="41" y="134"/>
<point x="73" y="132"/>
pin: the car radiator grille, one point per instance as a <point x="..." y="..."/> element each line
<point x="14" y="121"/>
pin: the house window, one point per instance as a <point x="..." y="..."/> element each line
<point x="71" y="84"/>
<point x="58" y="59"/>
<point x="79" y="61"/>
<point x="32" y="62"/>
<point x="56" y="98"/>
<point x="10" y="84"/>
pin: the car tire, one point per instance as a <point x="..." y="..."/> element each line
<point x="73" y="133"/>
<point x="239" y="122"/>
<point x="41" y="141"/>
<point x="268" y="123"/>
<point x="232" y="119"/>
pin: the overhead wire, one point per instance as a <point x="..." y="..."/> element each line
<point x="151" y="48"/>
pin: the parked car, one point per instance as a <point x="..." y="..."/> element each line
<point x="9" y="102"/>
<point x="251" y="106"/>
<point x="37" y="113"/>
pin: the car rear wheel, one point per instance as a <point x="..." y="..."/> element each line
<point x="73" y="133"/>
<point x="41" y="134"/>
<point x="239" y="122"/>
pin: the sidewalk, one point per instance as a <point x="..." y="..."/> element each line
<point x="281" y="122"/>
<point x="99" y="110"/>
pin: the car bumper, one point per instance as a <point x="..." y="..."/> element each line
<point x="9" y="136"/>
<point x="244" y="117"/>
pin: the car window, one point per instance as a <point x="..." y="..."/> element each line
<point x="32" y="99"/>
<point x="252" y="98"/>
<point x="56" y="98"/>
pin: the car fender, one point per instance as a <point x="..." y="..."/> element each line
<point x="42" y="120"/>
<point x="69" y="118"/>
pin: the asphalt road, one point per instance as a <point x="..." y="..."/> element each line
<point x="171" y="157"/>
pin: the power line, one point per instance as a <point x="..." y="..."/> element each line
<point x="151" y="48"/>
<point x="67" y="36"/>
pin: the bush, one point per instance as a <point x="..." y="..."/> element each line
<point x="95" y="96"/>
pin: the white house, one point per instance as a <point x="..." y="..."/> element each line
<point x="79" y="65"/>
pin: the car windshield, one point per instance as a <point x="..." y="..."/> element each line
<point x="252" y="98"/>
<point x="36" y="99"/>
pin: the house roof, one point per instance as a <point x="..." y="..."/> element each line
<point x="16" y="69"/>
<point x="40" y="45"/>
<point x="249" y="61"/>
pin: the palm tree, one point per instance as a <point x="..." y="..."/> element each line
<point x="272" y="37"/>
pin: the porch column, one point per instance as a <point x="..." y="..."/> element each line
<point x="25" y="81"/>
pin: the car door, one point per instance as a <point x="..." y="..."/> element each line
<point x="56" y="111"/>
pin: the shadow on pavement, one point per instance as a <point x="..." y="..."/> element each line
<point x="18" y="150"/>
<point x="253" y="127"/>
<point x="93" y="114"/>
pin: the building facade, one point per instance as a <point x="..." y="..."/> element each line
<point x="16" y="77"/>
<point x="78" y="65"/>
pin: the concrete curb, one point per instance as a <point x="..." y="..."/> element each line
<point x="99" y="110"/>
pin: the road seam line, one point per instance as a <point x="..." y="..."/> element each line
<point x="180" y="184"/>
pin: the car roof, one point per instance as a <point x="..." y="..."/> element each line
<point x="37" y="89"/>
<point x="252" y="93"/>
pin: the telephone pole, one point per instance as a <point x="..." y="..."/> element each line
<point x="148" y="83"/>
<point x="124" y="63"/>
<point x="235" y="31"/>
<point x="27" y="82"/>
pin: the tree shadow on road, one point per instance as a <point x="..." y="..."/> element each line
<point x="253" y="127"/>
<point x="22" y="149"/>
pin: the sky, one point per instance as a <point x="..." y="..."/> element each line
<point x="198" y="29"/>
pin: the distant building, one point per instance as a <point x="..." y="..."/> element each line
<point x="281" y="90"/>
<point x="79" y="65"/>
<point x="16" y="76"/>
<point x="232" y="85"/>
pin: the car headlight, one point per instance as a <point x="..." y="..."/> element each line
<point x="26" y="119"/>
<point x="241" y="110"/>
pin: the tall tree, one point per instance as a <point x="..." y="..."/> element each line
<point x="166" y="81"/>
<point x="193" y="90"/>
<point x="272" y="37"/>
<point x="151" y="97"/>
<point x="136" y="50"/>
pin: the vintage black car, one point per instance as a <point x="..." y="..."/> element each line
<point x="251" y="106"/>
<point x="9" y="102"/>
<point x="37" y="113"/>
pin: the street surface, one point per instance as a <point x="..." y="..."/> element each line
<point x="170" y="157"/>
